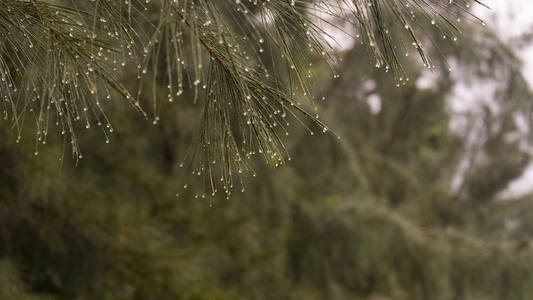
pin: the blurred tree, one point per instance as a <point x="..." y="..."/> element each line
<point x="372" y="216"/>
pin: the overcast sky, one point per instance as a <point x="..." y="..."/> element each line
<point x="511" y="19"/>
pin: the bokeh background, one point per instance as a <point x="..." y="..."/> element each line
<point x="428" y="194"/>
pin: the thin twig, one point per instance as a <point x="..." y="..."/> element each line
<point x="203" y="42"/>
<point x="41" y="15"/>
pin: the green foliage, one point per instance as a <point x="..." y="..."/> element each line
<point x="370" y="217"/>
<point x="63" y="62"/>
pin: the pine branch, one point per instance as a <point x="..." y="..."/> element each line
<point x="38" y="10"/>
<point x="256" y="56"/>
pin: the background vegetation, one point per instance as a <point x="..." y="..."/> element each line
<point x="378" y="214"/>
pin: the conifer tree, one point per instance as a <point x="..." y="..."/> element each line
<point x="370" y="217"/>
<point x="62" y="64"/>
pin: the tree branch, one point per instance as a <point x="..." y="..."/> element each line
<point x="41" y="15"/>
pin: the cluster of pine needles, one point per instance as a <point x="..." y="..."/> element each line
<point x="247" y="62"/>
